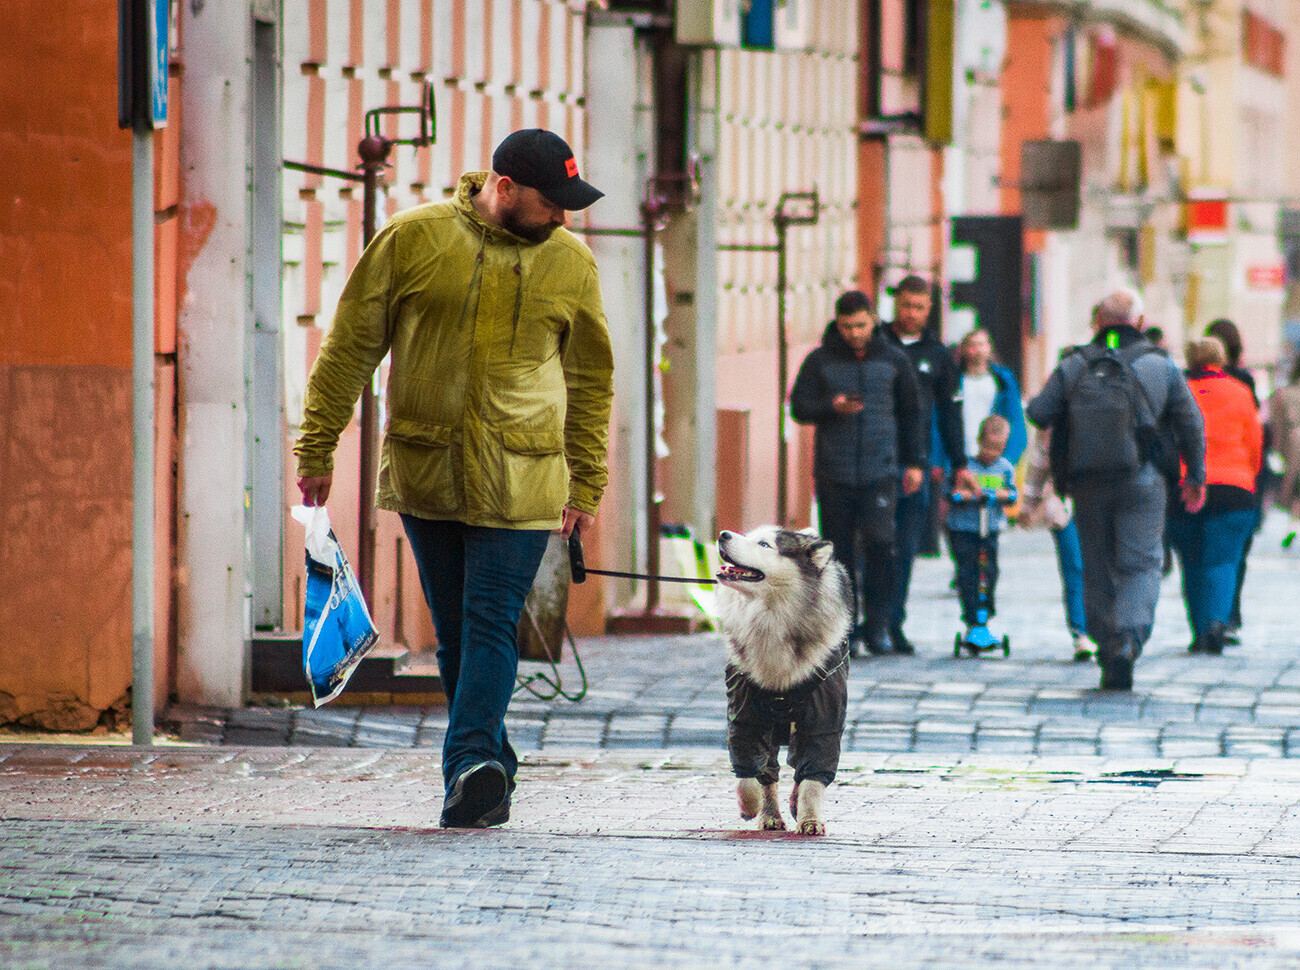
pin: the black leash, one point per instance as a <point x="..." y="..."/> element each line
<point x="578" y="568"/>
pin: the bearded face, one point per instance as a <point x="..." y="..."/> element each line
<point x="530" y="215"/>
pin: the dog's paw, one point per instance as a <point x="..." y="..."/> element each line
<point x="749" y="794"/>
<point x="772" y="823"/>
<point x="794" y="800"/>
<point x="812" y="826"/>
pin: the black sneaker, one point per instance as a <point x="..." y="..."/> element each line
<point x="477" y="792"/>
<point x="899" y="639"/>
<point x="498" y="816"/>
<point x="1117" y="674"/>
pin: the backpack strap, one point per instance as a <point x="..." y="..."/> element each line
<point x="1129" y="356"/>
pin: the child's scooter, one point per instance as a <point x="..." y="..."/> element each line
<point x="977" y="638"/>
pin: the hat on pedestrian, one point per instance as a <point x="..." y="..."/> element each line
<point x="542" y="160"/>
<point x="851" y="302"/>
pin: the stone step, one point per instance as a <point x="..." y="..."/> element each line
<point x="380" y="679"/>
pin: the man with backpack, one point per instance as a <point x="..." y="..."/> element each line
<point x="1122" y="418"/>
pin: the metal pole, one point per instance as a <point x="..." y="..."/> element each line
<point x="782" y="367"/>
<point x="648" y="217"/>
<point x="373" y="150"/>
<point x="142" y="432"/>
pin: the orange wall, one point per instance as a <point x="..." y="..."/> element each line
<point x="1027" y="96"/>
<point x="65" y="358"/>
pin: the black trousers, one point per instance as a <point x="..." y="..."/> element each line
<point x="859" y="522"/>
<point x="965" y="548"/>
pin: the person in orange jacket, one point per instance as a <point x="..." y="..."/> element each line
<point x="1210" y="543"/>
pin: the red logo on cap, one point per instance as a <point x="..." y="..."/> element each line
<point x="571" y="166"/>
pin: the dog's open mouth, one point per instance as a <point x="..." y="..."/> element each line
<point x="735" y="573"/>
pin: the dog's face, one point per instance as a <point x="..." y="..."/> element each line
<point x="770" y="556"/>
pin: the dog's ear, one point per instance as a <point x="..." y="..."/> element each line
<point x="820" y="554"/>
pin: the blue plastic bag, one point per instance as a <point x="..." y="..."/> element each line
<point x="337" y="631"/>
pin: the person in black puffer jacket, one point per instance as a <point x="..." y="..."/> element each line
<point x="860" y="393"/>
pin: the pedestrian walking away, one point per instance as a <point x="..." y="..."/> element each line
<point x="499" y="394"/>
<point x="1122" y="416"/>
<point x="1212" y="542"/>
<point x="859" y="393"/>
<point x="1229" y="335"/>
<point x="936" y="375"/>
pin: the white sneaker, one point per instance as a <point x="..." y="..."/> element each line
<point x="1082" y="648"/>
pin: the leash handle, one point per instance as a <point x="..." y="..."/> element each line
<point x="578" y="568"/>
<point x="577" y="564"/>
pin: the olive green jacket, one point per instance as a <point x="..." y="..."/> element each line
<point x="501" y="377"/>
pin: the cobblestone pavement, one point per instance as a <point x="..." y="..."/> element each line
<point x="666" y="692"/>
<point x="991" y="812"/>
<point x="296" y="857"/>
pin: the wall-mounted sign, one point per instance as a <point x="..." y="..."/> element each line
<point x="1268" y="276"/>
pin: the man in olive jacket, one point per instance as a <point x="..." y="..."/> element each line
<point x="499" y="393"/>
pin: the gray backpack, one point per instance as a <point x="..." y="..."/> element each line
<point x="1109" y="419"/>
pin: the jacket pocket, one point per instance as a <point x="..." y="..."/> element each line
<point x="537" y="476"/>
<point x="420" y="465"/>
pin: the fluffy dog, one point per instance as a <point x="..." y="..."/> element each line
<point x="784" y="604"/>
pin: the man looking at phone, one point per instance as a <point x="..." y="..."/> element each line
<point x="860" y="394"/>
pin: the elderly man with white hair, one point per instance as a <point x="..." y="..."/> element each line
<point x="1122" y="416"/>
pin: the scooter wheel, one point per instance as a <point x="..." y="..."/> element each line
<point x="1006" y="646"/>
<point x="956" y="645"/>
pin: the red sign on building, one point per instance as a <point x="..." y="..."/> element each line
<point x="1206" y="219"/>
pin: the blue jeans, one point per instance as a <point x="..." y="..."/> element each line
<point x="1210" y="546"/>
<point x="912" y="515"/>
<point x="475" y="581"/>
<point x="1069" y="556"/>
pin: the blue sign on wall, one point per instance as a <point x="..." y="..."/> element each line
<point x="757" y="25"/>
<point x="160" y="35"/>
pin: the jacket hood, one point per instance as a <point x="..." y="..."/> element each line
<point x="833" y="341"/>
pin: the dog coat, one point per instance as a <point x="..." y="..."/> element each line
<point x="808" y="717"/>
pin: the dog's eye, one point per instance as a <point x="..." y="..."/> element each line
<point x="765" y="544"/>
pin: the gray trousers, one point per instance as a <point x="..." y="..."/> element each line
<point x="1121" y="531"/>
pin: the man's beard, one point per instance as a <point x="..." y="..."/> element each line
<point x="537" y="234"/>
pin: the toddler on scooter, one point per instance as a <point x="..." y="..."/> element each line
<point x="996" y="478"/>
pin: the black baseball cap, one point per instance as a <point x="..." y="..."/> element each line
<point x="542" y="160"/>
